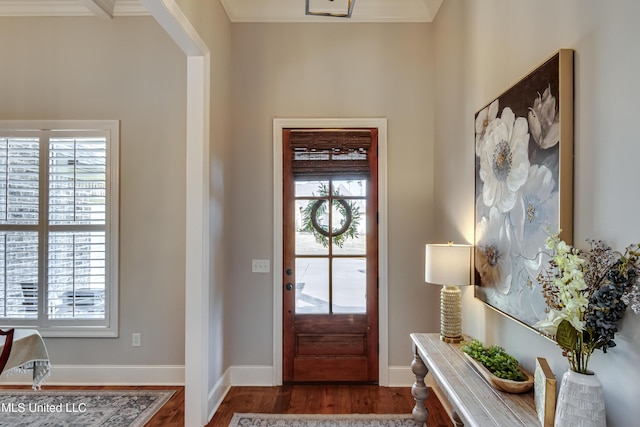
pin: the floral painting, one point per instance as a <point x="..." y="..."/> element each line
<point x="524" y="186"/>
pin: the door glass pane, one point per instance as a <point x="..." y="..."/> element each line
<point x="355" y="188"/>
<point x="350" y="216"/>
<point x="309" y="240"/>
<point x="312" y="285"/>
<point x="311" y="188"/>
<point x="312" y="218"/>
<point x="349" y="285"/>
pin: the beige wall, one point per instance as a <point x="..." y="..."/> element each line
<point x="481" y="49"/>
<point x="329" y="70"/>
<point x="427" y="80"/>
<point x="126" y="69"/>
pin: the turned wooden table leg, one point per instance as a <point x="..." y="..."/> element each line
<point x="456" y="419"/>
<point x="419" y="389"/>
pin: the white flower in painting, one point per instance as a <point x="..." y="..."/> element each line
<point x="535" y="212"/>
<point x="493" y="251"/>
<point x="543" y="120"/>
<point x="504" y="162"/>
<point x="484" y="118"/>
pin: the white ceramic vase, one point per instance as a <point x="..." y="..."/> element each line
<point x="580" y="401"/>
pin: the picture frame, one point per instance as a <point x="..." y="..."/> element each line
<point x="544" y="392"/>
<point x="523" y="186"/>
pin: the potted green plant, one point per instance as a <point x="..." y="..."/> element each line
<point x="499" y="368"/>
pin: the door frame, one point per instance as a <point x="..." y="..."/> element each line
<point x="383" y="291"/>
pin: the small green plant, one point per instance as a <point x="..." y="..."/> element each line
<point x="496" y="360"/>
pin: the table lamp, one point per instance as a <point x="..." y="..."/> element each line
<point x="449" y="265"/>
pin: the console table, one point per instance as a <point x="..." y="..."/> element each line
<point x="474" y="401"/>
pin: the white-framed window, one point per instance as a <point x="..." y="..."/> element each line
<point x="59" y="226"/>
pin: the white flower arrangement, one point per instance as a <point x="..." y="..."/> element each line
<point x="587" y="293"/>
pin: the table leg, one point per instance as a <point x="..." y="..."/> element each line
<point x="419" y="389"/>
<point x="457" y="422"/>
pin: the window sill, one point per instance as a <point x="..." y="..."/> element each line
<point x="70" y="331"/>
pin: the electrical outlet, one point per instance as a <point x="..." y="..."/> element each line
<point x="260" y="266"/>
<point x="135" y="340"/>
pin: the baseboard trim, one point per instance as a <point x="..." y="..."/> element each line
<point x="218" y="393"/>
<point x="400" y="376"/>
<point x="106" y="375"/>
<point x="247" y="375"/>
<point x="239" y="375"/>
<point x="251" y="375"/>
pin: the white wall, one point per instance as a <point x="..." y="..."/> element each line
<point x="126" y="69"/>
<point x="484" y="47"/>
<point x="336" y="71"/>
<point x="213" y="26"/>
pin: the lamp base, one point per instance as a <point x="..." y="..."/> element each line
<point x="451" y="340"/>
<point x="450" y="314"/>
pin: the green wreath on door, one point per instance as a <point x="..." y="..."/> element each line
<point x="349" y="219"/>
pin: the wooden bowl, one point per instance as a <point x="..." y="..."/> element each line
<point x="508" y="386"/>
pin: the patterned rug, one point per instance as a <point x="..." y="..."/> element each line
<point x="84" y="408"/>
<point x="295" y="420"/>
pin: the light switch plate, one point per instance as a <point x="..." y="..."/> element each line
<point x="260" y="266"/>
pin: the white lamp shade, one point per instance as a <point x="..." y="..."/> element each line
<point x="447" y="264"/>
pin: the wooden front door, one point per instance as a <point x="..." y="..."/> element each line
<point x="330" y="271"/>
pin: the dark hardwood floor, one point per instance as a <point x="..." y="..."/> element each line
<point x="290" y="399"/>
<point x="325" y="399"/>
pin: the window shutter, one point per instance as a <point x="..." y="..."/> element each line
<point x="19" y="210"/>
<point x="321" y="154"/>
<point x="77" y="180"/>
<point x="19" y="180"/>
<point x="77" y="198"/>
<point x="59" y="226"/>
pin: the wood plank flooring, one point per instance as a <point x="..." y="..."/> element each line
<point x="325" y="399"/>
<point x="290" y="399"/>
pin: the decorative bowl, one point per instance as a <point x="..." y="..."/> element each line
<point x="508" y="386"/>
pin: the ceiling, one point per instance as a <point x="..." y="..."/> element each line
<point x="237" y="10"/>
<point x="100" y="8"/>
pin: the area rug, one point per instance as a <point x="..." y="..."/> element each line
<point x="296" y="420"/>
<point x="84" y="408"/>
